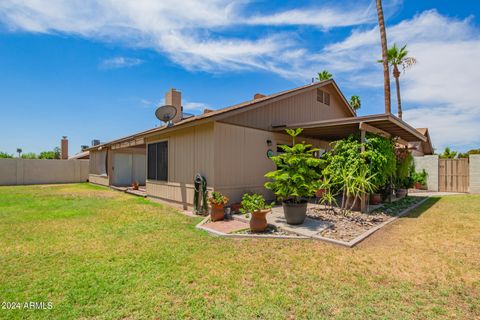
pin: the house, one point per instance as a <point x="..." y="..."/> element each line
<point x="84" y="155"/>
<point x="230" y="147"/>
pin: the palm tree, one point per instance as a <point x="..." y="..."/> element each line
<point x="19" y="151"/>
<point x="324" y="75"/>
<point x="355" y="102"/>
<point x="397" y="58"/>
<point x="386" y="73"/>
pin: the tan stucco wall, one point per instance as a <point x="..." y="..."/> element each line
<point x="190" y="151"/>
<point x="34" y="171"/>
<point x="430" y="164"/>
<point x="474" y="168"/>
<point x="241" y="159"/>
<point x="299" y="108"/>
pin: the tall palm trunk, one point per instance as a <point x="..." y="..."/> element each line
<point x="386" y="72"/>
<point x="396" y="74"/>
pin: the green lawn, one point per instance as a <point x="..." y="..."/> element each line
<point x="97" y="253"/>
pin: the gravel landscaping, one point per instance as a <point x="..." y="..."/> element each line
<point x="346" y="227"/>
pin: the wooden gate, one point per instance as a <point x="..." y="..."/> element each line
<point x="453" y="175"/>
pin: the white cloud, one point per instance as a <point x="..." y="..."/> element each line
<point x="439" y="92"/>
<point x="194" y="107"/>
<point x="186" y="31"/>
<point x="120" y="62"/>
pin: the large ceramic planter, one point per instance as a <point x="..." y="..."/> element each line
<point x="258" y="221"/>
<point x="375" y="198"/>
<point x="217" y="212"/>
<point x="295" y="213"/>
<point x="401" y="193"/>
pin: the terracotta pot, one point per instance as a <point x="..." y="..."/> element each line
<point x="401" y="193"/>
<point x="236" y="207"/>
<point x="420" y="186"/>
<point x="375" y="198"/>
<point x="217" y="212"/>
<point x="258" y="221"/>
<point x="135" y="186"/>
<point x="358" y="203"/>
<point x="319" y="193"/>
<point x="295" y="213"/>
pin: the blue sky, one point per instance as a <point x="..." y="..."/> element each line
<point x="97" y="70"/>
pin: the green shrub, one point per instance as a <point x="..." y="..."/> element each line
<point x="298" y="171"/>
<point x="254" y="202"/>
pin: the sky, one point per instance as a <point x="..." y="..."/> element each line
<point x="91" y="69"/>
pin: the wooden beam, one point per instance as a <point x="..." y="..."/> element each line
<point x="366" y="127"/>
<point x="401" y="141"/>
<point x="363" y="204"/>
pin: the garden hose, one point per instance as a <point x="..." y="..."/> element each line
<point x="200" y="205"/>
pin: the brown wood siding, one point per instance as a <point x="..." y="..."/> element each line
<point x="190" y="151"/>
<point x="296" y="109"/>
<point x="241" y="158"/>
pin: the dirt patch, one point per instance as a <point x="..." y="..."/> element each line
<point x="348" y="226"/>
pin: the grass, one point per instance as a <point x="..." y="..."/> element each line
<point x="97" y="253"/>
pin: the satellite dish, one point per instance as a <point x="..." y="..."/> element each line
<point x="166" y="113"/>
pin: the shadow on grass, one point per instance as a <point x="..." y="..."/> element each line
<point x="418" y="211"/>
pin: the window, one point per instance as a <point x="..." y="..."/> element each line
<point x="157" y="162"/>
<point x="323" y="97"/>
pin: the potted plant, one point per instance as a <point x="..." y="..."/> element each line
<point x="296" y="179"/>
<point x="217" y="203"/>
<point x="420" y="179"/>
<point x="403" y="179"/>
<point x="255" y="205"/>
<point x="135" y="185"/>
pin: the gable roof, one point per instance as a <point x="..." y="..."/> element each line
<point x="426" y="145"/>
<point x="235" y="109"/>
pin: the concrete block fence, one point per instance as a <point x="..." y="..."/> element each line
<point x="35" y="171"/>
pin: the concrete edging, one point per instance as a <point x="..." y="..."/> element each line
<point x="349" y="244"/>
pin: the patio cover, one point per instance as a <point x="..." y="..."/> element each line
<point x="383" y="124"/>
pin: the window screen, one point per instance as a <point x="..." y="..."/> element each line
<point x="158" y="161"/>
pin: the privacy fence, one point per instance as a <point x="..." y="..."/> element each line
<point x="33" y="171"/>
<point x="451" y="175"/>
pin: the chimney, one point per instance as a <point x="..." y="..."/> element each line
<point x="64" y="148"/>
<point x="258" y="96"/>
<point x="174" y="98"/>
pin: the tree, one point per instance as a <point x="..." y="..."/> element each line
<point x="55" y="154"/>
<point x="324" y="75"/>
<point x="4" y="155"/>
<point x="398" y="57"/>
<point x="355" y="102"/>
<point x="19" y="151"/>
<point x="386" y="73"/>
<point x="448" y="154"/>
<point x="29" y="155"/>
<point x="468" y="153"/>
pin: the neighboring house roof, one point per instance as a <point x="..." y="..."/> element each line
<point x="80" y="155"/>
<point x="426" y="145"/>
<point x="241" y="107"/>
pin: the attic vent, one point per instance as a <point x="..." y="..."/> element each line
<point x="323" y="97"/>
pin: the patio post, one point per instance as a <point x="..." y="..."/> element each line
<point x="363" y="204"/>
